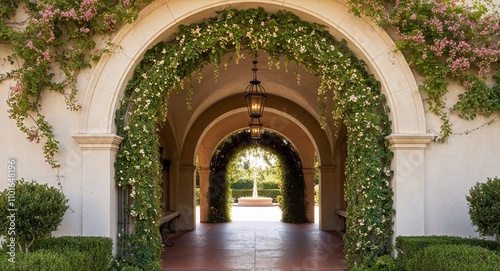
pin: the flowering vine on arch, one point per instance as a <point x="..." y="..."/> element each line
<point x="356" y="95"/>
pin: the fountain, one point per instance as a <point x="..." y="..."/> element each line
<point x="255" y="200"/>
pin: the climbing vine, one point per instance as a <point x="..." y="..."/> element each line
<point x="356" y="94"/>
<point x="51" y="42"/>
<point x="446" y="40"/>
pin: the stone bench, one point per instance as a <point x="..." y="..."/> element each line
<point x="341" y="214"/>
<point x="167" y="227"/>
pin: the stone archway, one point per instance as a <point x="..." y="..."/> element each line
<point x="103" y="96"/>
<point x="160" y="20"/>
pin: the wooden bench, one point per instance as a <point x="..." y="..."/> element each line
<point x="167" y="227"/>
<point x="341" y="214"/>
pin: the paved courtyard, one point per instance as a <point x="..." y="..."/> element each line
<point x="256" y="240"/>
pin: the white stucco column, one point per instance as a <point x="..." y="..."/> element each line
<point x="327" y="197"/>
<point x="186" y="197"/>
<point x="309" y="192"/>
<point x="408" y="182"/>
<point x="99" y="191"/>
<point x="204" y="179"/>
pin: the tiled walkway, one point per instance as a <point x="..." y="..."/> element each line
<point x="255" y="245"/>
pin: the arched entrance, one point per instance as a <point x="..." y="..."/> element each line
<point x="283" y="116"/>
<point x="293" y="202"/>
<point x="397" y="84"/>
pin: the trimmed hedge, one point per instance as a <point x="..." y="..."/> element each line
<point x="267" y="185"/>
<point x="270" y="193"/>
<point x="97" y="250"/>
<point x="41" y="260"/>
<point x="242" y="184"/>
<point x="409" y="246"/>
<point x="78" y="253"/>
<point x="454" y="258"/>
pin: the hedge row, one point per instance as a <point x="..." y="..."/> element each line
<point x="63" y="253"/>
<point x="408" y="246"/>
<point x="270" y="193"/>
<point x="454" y="258"/>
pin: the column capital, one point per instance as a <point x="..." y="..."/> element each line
<point x="409" y="141"/>
<point x="98" y="141"/>
<point x="187" y="167"/>
<point x="325" y="168"/>
<point x="308" y="170"/>
<point x="204" y="170"/>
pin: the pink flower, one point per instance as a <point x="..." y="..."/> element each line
<point x="88" y="9"/>
<point x="70" y="14"/>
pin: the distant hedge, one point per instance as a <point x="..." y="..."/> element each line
<point x="409" y="246"/>
<point x="454" y="258"/>
<point x="242" y="184"/>
<point x="270" y="193"/>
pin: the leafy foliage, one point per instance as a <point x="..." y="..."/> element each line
<point x="42" y="260"/>
<point x="382" y="263"/>
<point x="55" y="42"/>
<point x="409" y="246"/>
<point x="454" y="258"/>
<point x="442" y="40"/>
<point x="97" y="251"/>
<point x="484" y="207"/>
<point x="40" y="211"/>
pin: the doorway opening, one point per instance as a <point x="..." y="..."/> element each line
<point x="289" y="195"/>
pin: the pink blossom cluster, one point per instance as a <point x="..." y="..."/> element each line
<point x="88" y="9"/>
<point x="110" y="22"/>
<point x="460" y="35"/>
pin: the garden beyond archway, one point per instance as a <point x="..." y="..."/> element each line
<point x="357" y="98"/>
<point x="293" y="203"/>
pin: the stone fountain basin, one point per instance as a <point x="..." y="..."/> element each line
<point x="260" y="201"/>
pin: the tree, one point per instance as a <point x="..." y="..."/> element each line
<point x="484" y="207"/>
<point x="33" y="210"/>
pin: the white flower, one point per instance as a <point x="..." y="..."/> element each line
<point x="302" y="49"/>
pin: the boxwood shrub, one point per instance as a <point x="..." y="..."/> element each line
<point x="41" y="260"/>
<point x="454" y="258"/>
<point x="97" y="250"/>
<point x="408" y="246"/>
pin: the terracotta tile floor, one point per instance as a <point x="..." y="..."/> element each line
<point x="255" y="245"/>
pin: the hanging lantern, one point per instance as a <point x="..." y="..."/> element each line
<point x="255" y="128"/>
<point x="255" y="94"/>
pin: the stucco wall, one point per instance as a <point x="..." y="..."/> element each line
<point x="452" y="168"/>
<point x="30" y="161"/>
